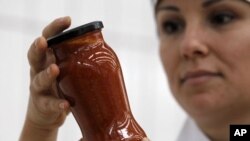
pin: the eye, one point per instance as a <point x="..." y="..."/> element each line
<point x="172" y="27"/>
<point x="222" y="18"/>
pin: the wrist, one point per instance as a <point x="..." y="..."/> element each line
<point x="33" y="132"/>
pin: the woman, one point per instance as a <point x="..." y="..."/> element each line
<point x="204" y="49"/>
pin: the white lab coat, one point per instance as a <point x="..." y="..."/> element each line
<point x="191" y="132"/>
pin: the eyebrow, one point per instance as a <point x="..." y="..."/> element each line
<point x="168" y="8"/>
<point x="208" y="3"/>
<point x="205" y="4"/>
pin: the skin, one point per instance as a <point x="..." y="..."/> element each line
<point x="204" y="48"/>
<point x="46" y="111"/>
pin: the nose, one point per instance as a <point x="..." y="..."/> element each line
<point x="193" y="44"/>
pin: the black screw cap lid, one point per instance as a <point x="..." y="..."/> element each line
<point x="74" y="32"/>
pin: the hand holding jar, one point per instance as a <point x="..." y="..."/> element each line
<point x="46" y="111"/>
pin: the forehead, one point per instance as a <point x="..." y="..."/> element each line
<point x="192" y="1"/>
<point x="190" y="4"/>
<point x="178" y="3"/>
<point x="158" y="2"/>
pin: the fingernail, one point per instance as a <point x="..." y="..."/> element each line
<point x="62" y="106"/>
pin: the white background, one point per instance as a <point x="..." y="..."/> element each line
<point x="129" y="30"/>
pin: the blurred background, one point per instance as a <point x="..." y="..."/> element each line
<point x="129" y="30"/>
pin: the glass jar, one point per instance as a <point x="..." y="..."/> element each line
<point x="91" y="80"/>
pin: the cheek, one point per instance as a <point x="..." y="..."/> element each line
<point x="170" y="63"/>
<point x="165" y="59"/>
<point x="232" y="53"/>
<point x="238" y="61"/>
<point x="235" y="54"/>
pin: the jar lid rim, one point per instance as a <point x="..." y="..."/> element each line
<point x="77" y="31"/>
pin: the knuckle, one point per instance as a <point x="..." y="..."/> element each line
<point x="49" y="104"/>
<point x="31" y="88"/>
<point x="33" y="54"/>
<point x="30" y="54"/>
<point x="46" y="104"/>
<point x="43" y="103"/>
<point x="41" y="82"/>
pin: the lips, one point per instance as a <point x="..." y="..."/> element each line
<point x="198" y="76"/>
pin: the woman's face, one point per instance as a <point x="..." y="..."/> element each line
<point x="205" y="50"/>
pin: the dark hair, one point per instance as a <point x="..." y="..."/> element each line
<point x="156" y="4"/>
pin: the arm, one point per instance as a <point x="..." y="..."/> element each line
<point x="46" y="112"/>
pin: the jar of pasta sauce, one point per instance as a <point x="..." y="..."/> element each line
<point x="91" y="80"/>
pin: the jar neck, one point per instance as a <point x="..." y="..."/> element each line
<point x="89" y="38"/>
<point x="83" y="42"/>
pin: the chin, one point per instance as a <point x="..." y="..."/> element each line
<point x="202" y="104"/>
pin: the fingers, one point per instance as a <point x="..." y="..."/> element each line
<point x="37" y="53"/>
<point x="42" y="82"/>
<point x="45" y="106"/>
<point x="49" y="104"/>
<point x="56" y="26"/>
<point x="40" y="89"/>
